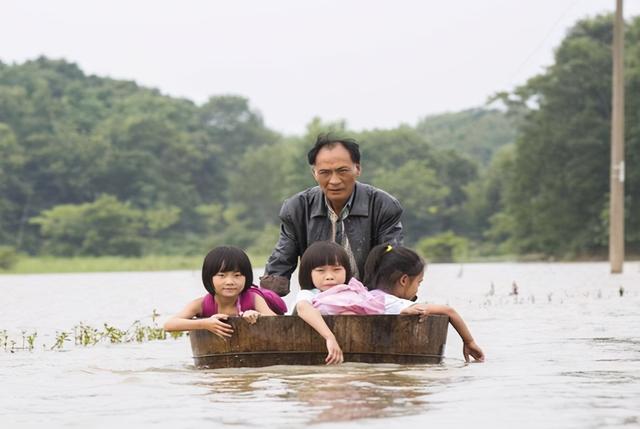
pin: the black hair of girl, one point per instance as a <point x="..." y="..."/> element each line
<point x="386" y="264"/>
<point x="223" y="259"/>
<point x="318" y="254"/>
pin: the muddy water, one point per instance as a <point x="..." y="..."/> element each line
<point x="564" y="352"/>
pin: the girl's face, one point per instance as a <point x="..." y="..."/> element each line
<point x="328" y="275"/>
<point x="409" y="285"/>
<point x="228" y="283"/>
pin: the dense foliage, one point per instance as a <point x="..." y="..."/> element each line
<point x="556" y="200"/>
<point x="95" y="166"/>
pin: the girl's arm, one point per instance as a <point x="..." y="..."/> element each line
<point x="313" y="317"/>
<point x="469" y="345"/>
<point x="262" y="309"/>
<point x="184" y="321"/>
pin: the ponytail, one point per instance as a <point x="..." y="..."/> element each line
<point x="386" y="264"/>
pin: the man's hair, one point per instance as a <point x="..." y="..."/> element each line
<point x="319" y="254"/>
<point x="330" y="141"/>
<point x="223" y="259"/>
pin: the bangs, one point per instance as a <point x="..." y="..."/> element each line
<point x="227" y="265"/>
<point x="321" y="259"/>
<point x="319" y="254"/>
<point x="224" y="259"/>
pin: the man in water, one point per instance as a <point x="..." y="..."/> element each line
<point x="355" y="215"/>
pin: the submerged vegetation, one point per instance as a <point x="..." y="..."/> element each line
<point x="85" y="336"/>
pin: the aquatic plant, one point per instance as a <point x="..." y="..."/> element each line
<point x="61" y="337"/>
<point x="31" y="340"/>
<point x="85" y="335"/>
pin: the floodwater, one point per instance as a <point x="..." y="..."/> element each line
<point x="563" y="353"/>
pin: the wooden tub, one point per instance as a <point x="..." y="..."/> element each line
<point x="288" y="340"/>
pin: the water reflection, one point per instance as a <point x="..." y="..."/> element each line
<point x="328" y="394"/>
<point x="567" y="344"/>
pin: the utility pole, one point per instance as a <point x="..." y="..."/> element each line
<point x="616" y="202"/>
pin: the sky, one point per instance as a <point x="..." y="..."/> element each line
<point x="375" y="64"/>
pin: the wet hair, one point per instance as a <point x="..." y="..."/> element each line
<point x="318" y="254"/>
<point x="330" y="141"/>
<point x="386" y="264"/>
<point x="223" y="259"/>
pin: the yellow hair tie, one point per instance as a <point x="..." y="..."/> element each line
<point x="388" y="249"/>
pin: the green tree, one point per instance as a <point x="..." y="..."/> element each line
<point x="561" y="167"/>
<point x="103" y="227"/>
<point x="478" y="132"/>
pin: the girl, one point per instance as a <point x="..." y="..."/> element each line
<point x="395" y="274"/>
<point x="228" y="277"/>
<point x="324" y="269"/>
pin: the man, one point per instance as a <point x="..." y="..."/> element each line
<point x="340" y="209"/>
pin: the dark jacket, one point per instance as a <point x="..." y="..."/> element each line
<point x="374" y="219"/>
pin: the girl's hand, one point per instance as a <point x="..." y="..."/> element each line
<point x="251" y="316"/>
<point x="215" y="325"/>
<point x="417" y="309"/>
<point x="471" y="348"/>
<point x="335" y="352"/>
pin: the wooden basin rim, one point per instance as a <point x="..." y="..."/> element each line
<point x="289" y="340"/>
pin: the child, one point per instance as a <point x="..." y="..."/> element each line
<point x="228" y="277"/>
<point x="395" y="273"/>
<point x="324" y="269"/>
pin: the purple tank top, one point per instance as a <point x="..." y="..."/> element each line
<point x="246" y="301"/>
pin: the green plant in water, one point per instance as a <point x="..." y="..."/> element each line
<point x="31" y="340"/>
<point x="138" y="331"/>
<point x="176" y="334"/>
<point x="28" y="341"/>
<point x="86" y="335"/>
<point x="61" y="337"/>
<point x="155" y="333"/>
<point x="114" y="334"/>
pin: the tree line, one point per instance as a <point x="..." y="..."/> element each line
<point x="96" y="166"/>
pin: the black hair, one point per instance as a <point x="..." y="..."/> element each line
<point x="318" y="254"/>
<point x="330" y="141"/>
<point x="223" y="259"/>
<point x="386" y="264"/>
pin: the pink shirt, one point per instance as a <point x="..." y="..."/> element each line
<point x="246" y="301"/>
<point x="351" y="298"/>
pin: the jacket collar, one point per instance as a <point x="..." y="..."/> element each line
<point x="359" y="205"/>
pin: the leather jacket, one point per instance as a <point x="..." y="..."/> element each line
<point x="374" y="218"/>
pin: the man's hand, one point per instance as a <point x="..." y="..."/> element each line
<point x="278" y="284"/>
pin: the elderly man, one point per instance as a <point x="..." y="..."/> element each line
<point x="341" y="209"/>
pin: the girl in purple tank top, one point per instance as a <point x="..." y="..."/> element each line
<point x="227" y="276"/>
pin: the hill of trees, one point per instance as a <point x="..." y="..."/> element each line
<point x="96" y="166"/>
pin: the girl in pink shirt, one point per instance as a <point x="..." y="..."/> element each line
<point x="324" y="270"/>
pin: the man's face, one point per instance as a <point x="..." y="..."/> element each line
<point x="336" y="174"/>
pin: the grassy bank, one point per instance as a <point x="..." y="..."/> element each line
<point x="37" y="265"/>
